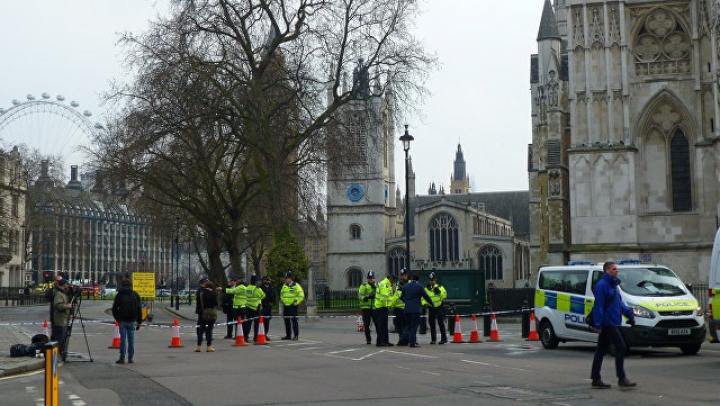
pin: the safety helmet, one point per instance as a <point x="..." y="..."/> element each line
<point x="403" y="271"/>
<point x="371" y="274"/>
<point x="432" y="276"/>
<point x="289" y="274"/>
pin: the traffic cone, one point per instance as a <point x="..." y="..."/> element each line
<point x="533" y="336"/>
<point x="46" y="331"/>
<point x="116" y="337"/>
<point x="239" y="336"/>
<point x="175" y="342"/>
<point x="494" y="335"/>
<point x="457" y="334"/>
<point x="360" y="325"/>
<point x="261" y="339"/>
<point x="474" y="335"/>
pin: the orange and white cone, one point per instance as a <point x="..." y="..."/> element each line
<point x="116" y="337"/>
<point x="360" y="325"/>
<point x="474" y="335"/>
<point x="46" y="330"/>
<point x="239" y="336"/>
<point x="457" y="334"/>
<point x="175" y="341"/>
<point x="494" y="335"/>
<point x="533" y="336"/>
<point x="261" y="339"/>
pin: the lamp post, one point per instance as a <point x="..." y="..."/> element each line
<point x="406" y="138"/>
<point x="177" y="263"/>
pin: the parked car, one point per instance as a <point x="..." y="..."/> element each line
<point x="162" y="292"/>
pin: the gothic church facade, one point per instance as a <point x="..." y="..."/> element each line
<point x="624" y="155"/>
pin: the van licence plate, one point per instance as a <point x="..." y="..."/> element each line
<point x="679" y="332"/>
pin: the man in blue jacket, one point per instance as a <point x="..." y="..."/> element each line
<point x="607" y="313"/>
<point x="411" y="295"/>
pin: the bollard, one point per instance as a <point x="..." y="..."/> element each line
<point x="51" y="373"/>
<point x="451" y="318"/>
<point x="487" y="321"/>
<point x="423" y="321"/>
<point x="525" y="320"/>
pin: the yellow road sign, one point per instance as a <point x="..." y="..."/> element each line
<point x="144" y="283"/>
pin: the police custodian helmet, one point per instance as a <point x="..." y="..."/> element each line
<point x="371" y="274"/>
<point x="432" y="276"/>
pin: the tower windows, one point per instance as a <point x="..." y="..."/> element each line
<point x="680" y="172"/>
<point x="491" y="262"/>
<point x="355" y="232"/>
<point x="396" y="261"/>
<point x="354" y="277"/>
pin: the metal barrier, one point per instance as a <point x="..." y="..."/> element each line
<point x="11" y="296"/>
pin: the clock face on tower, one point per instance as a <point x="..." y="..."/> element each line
<point x="355" y="192"/>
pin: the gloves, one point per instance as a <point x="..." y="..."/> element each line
<point x="631" y="322"/>
<point x="365" y="298"/>
<point x="437" y="291"/>
<point x="372" y="295"/>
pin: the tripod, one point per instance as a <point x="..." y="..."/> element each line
<point x="76" y="301"/>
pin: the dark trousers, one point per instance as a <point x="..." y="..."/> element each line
<point x="381" y="325"/>
<point x="400" y="323"/>
<point x="367" y="317"/>
<point x="436" y="314"/>
<point x="206" y="329"/>
<point x="412" y="321"/>
<point x="231" y="320"/>
<point x="266" y="312"/>
<point x="290" y="313"/>
<point x="239" y="312"/>
<point x="610" y="334"/>
<point x="252" y="320"/>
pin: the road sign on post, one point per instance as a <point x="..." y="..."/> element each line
<point x="144" y="283"/>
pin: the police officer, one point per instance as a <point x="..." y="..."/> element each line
<point x="267" y="303"/>
<point x="383" y="300"/>
<point x="366" y="293"/>
<point x="228" y="308"/>
<point x="437" y="293"/>
<point x="399" y="308"/>
<point x="238" y="292"/>
<point x="253" y="297"/>
<point x="291" y="295"/>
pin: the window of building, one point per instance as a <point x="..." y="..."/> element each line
<point x="15" y="206"/>
<point x="491" y="262"/>
<point x="354" y="277"/>
<point x="355" y="232"/>
<point x="680" y="170"/>
<point x="444" y="238"/>
<point x="396" y="260"/>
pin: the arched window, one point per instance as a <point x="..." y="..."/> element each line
<point x="662" y="46"/>
<point x="444" y="238"/>
<point x="354" y="277"/>
<point x="491" y="262"/>
<point x="355" y="232"/>
<point x="396" y="260"/>
<point x="680" y="171"/>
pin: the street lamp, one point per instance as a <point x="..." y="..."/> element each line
<point x="406" y="138"/>
<point x="177" y="263"/>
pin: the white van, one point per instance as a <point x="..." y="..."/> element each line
<point x="714" y="283"/>
<point x="666" y="313"/>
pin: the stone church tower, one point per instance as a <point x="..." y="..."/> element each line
<point x="459" y="180"/>
<point x="361" y="198"/>
<point x="624" y="155"/>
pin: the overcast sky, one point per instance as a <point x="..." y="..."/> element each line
<point x="480" y="95"/>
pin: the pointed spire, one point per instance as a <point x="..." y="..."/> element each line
<point x="548" y="23"/>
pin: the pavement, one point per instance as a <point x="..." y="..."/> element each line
<point x="11" y="334"/>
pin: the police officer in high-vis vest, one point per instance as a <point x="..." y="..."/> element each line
<point x="228" y="308"/>
<point x="383" y="301"/>
<point x="291" y="295"/>
<point x="399" y="307"/>
<point x="238" y="292"/>
<point x="366" y="295"/>
<point x="253" y="297"/>
<point x="437" y="293"/>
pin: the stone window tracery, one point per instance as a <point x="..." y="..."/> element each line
<point x="662" y="46"/>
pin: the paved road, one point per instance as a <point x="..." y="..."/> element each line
<point x="331" y="365"/>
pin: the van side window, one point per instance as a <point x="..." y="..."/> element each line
<point x="597" y="275"/>
<point x="564" y="281"/>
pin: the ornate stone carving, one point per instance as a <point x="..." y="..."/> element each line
<point x="666" y="117"/>
<point x="662" y="45"/>
<point x="554" y="177"/>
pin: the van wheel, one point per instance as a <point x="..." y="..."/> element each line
<point x="547" y="336"/>
<point x="690" y="349"/>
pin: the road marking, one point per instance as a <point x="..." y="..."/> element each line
<point x="493" y="365"/>
<point x="338" y="354"/>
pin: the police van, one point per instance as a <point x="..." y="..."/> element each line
<point x="666" y="313"/>
<point x="714" y="284"/>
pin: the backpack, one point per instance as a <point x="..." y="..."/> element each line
<point x="127" y="306"/>
<point x="19" y="350"/>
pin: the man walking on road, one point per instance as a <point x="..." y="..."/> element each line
<point x="127" y="311"/>
<point x="607" y="313"/>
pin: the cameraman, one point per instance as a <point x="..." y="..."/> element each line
<point x="61" y="312"/>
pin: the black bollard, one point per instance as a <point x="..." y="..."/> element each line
<point x="451" y="318"/>
<point x="423" y="321"/>
<point x="487" y="321"/>
<point x="525" y="320"/>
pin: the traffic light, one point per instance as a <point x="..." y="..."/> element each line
<point x="48" y="276"/>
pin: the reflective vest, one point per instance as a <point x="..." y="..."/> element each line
<point x="292" y="293"/>
<point x="238" y="293"/>
<point x="437" y="298"/>
<point x="364" y="292"/>
<point x="253" y="297"/>
<point x="383" y="294"/>
<point x="396" y="302"/>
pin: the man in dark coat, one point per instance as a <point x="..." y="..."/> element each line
<point x="412" y="295"/>
<point x="127" y="311"/>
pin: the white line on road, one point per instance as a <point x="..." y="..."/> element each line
<point x="493" y="365"/>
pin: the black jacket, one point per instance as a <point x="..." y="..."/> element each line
<point x="209" y="299"/>
<point x="127" y="306"/>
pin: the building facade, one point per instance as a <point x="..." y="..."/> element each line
<point x="624" y="155"/>
<point x="13" y="193"/>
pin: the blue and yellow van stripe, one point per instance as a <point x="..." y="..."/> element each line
<point x="563" y="301"/>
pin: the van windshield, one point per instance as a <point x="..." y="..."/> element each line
<point x="650" y="282"/>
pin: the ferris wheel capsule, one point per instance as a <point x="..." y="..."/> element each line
<point x="46" y="95"/>
<point x="87" y="113"/>
<point x="16" y="102"/>
<point x="74" y="103"/>
<point x="30" y="97"/>
<point x="60" y="97"/>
